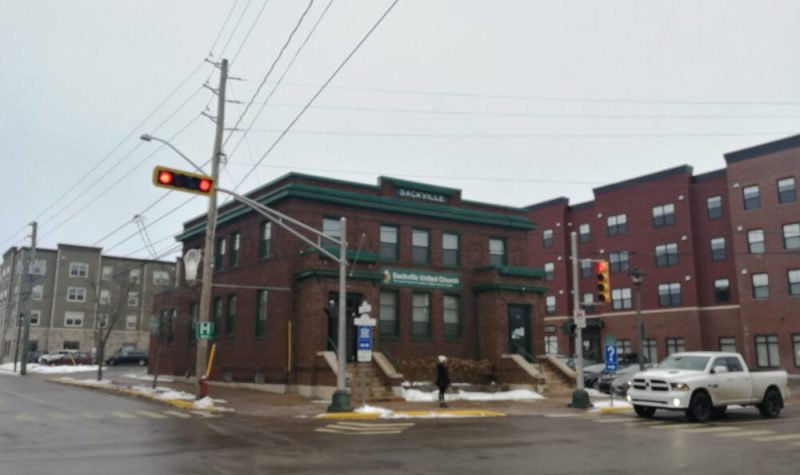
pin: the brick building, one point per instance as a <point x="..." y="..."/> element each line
<point x="720" y="252"/>
<point x="73" y="293"/>
<point x="444" y="275"/>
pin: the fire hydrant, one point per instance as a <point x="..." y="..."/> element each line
<point x="203" y="388"/>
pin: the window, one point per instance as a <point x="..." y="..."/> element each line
<point x="751" y="197"/>
<point x="617" y="224"/>
<point x="233" y="260"/>
<point x="767" y="355"/>
<point x="452" y="316"/>
<point x="450" y="257"/>
<point x="497" y="252"/>
<point x="105" y="297"/>
<point x="793" y="276"/>
<point x="388" y="244"/>
<point x="219" y="254"/>
<point x="588" y="302"/>
<point x="71" y="345"/>
<point x="73" y="319"/>
<point x="650" y="349"/>
<point x="722" y="291"/>
<point x="718" y="249"/>
<point x="669" y="294"/>
<point x="620" y="298"/>
<point x="35" y="318"/>
<point x="76" y="294"/>
<point x="194" y="309"/>
<point x="421" y="316"/>
<point x="78" y="269"/>
<point x="134" y="275"/>
<point x="130" y="322"/>
<point x="37" y="292"/>
<point x="624" y="347"/>
<point x="675" y="345"/>
<point x="331" y="227"/>
<point x="727" y="343"/>
<point x="755" y="241"/>
<point x="666" y="255"/>
<point x="714" y="207"/>
<point x="102" y="320"/>
<point x="107" y="272"/>
<point x="618" y="261"/>
<point x="420" y="246"/>
<point x="219" y="310"/>
<point x="549" y="271"/>
<point x="387" y="320"/>
<point x="786" y="190"/>
<point x="230" y="316"/>
<point x="796" y="349"/>
<point x="160" y="277"/>
<point x="261" y="313"/>
<point x="760" y="285"/>
<point x="586" y="268"/>
<point x="133" y="299"/>
<point x="547" y="238"/>
<point x="584" y="232"/>
<point x="791" y="236"/>
<point x="264" y="238"/>
<point x="663" y="215"/>
<point x="551" y="344"/>
<point x="550" y="305"/>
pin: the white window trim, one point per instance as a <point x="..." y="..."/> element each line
<point x="75" y="269"/>
<point x="80" y="292"/>
<point x="74" y="316"/>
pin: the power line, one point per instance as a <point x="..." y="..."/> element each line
<point x="152" y="223"/>
<point x="319" y="91"/>
<point x="249" y="32"/>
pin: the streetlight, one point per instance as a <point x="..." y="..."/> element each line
<point x="637" y="276"/>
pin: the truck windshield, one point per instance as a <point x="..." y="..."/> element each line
<point x="696" y="363"/>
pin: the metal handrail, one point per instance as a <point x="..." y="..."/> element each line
<point x="520" y="350"/>
<point x="332" y="344"/>
<point x="388" y="354"/>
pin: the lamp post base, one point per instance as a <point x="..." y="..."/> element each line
<point x="340" y="402"/>
<point x="580" y="399"/>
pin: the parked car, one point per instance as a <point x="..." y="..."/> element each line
<point x="127" y="356"/>
<point x="46" y="358"/>
<point x="617" y="382"/>
<point x="704" y="383"/>
<point x="71" y="357"/>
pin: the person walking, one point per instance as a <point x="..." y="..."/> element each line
<point x="442" y="379"/>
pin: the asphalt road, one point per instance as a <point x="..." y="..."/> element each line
<point x="47" y="428"/>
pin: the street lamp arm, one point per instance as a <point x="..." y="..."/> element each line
<point x="150" y="138"/>
<point x="278" y="218"/>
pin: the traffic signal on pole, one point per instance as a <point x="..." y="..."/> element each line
<point x="182" y="181"/>
<point x="603" y="282"/>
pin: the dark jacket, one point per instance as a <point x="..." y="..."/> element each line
<point x="442" y="376"/>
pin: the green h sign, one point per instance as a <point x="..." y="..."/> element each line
<point x="205" y="330"/>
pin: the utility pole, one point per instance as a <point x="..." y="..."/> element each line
<point x="204" y="313"/>
<point x="27" y="318"/>
<point x="580" y="398"/>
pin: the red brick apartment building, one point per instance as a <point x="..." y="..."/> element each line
<point x="720" y="253"/>
<point x="443" y="276"/>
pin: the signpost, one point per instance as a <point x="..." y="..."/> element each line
<point x="364" y="325"/>
<point x="205" y="330"/>
<point x="612" y="362"/>
<point x="580" y="318"/>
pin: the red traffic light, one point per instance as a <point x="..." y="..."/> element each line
<point x="205" y="185"/>
<point x="601" y="267"/>
<point x="165" y="177"/>
<point x="183" y="181"/>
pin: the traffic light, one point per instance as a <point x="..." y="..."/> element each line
<point x="603" y="282"/>
<point x="183" y="181"/>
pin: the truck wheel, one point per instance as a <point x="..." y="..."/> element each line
<point x="699" y="408"/>
<point x="771" y="404"/>
<point x="644" y="411"/>
<point x="719" y="412"/>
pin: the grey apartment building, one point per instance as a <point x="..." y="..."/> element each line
<point x="72" y="293"/>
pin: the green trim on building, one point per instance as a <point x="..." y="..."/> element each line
<point x="419" y="186"/>
<point x="352" y="254"/>
<point x="509" y="288"/>
<point x="379" y="203"/>
<point x="514" y="271"/>
<point x="331" y="274"/>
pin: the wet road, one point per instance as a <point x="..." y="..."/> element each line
<point x="47" y="428"/>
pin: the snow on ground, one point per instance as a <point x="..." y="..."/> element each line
<point x="415" y="395"/>
<point x="149" y="377"/>
<point x="42" y="369"/>
<point x="619" y="402"/>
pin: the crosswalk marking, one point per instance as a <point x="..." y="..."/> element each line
<point x="611" y="420"/>
<point x="746" y="433"/>
<point x="123" y="415"/>
<point x="776" y="438"/>
<point x="25" y="417"/>
<point x="711" y="430"/>
<point x="676" y="426"/>
<point x="374" y="432"/>
<point x="182" y="415"/>
<point x="151" y="415"/>
<point x="206" y="414"/>
<point x="365" y="428"/>
<point x="383" y="425"/>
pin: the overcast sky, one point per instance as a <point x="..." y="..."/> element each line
<point x="513" y="102"/>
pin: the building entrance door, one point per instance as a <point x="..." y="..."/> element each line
<point x="519" y="330"/>
<point x="353" y="302"/>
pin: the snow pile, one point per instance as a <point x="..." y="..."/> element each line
<point x="42" y="369"/>
<point x="415" y="395"/>
<point x="148" y="377"/>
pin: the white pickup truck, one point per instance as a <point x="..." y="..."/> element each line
<point x="703" y="384"/>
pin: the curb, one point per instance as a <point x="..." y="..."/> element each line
<point x="614" y="410"/>
<point x="111" y="388"/>
<point x="453" y="413"/>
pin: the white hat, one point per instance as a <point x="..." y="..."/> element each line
<point x="442" y="358"/>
